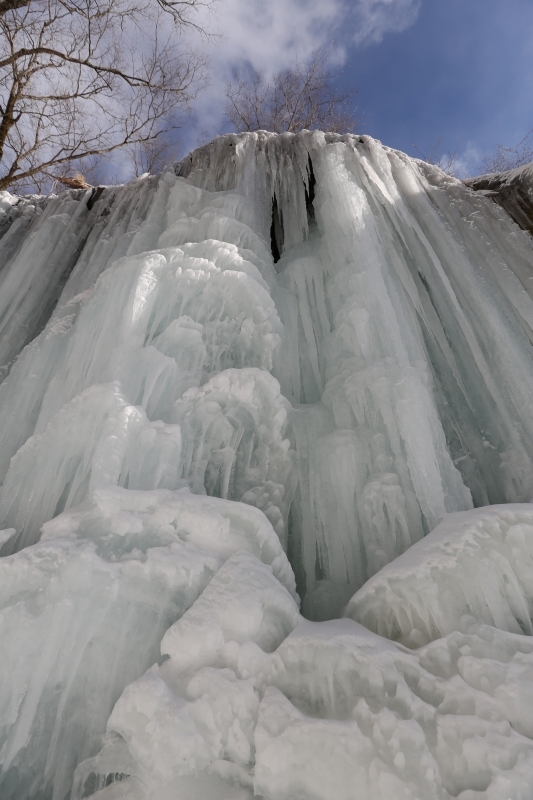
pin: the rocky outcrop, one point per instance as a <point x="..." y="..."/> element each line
<point x="512" y="190"/>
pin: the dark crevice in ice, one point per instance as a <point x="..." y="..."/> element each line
<point x="310" y="192"/>
<point x="94" y="783"/>
<point x="95" y="196"/>
<point x="276" y="232"/>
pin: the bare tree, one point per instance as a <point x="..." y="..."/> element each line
<point x="505" y="158"/>
<point x="447" y="162"/>
<point x="133" y="160"/>
<point x="80" y="78"/>
<point x="152" y="155"/>
<point x="302" y="97"/>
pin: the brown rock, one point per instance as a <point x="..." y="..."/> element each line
<point x="512" y="190"/>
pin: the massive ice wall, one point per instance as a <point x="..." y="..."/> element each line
<point x="331" y="340"/>
<point x="390" y="302"/>
<point x="406" y="304"/>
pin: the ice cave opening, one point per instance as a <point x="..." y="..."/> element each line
<point x="266" y="466"/>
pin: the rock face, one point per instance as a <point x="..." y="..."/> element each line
<point x="512" y="190"/>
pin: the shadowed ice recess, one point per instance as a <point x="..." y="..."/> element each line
<point x="262" y="379"/>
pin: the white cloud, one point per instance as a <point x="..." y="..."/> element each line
<point x="372" y="19"/>
<point x="467" y="162"/>
<point x="270" y="34"/>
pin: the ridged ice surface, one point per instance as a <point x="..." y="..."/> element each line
<point x="261" y="376"/>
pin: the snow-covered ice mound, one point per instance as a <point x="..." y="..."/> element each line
<point x="474" y="566"/>
<point x="334" y="712"/>
<point x="84" y="610"/>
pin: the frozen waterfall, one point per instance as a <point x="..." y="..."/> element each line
<point x="262" y="378"/>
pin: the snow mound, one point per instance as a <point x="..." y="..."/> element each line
<point x="7" y="200"/>
<point x="96" y="595"/>
<point x="335" y="712"/>
<point x="474" y="566"/>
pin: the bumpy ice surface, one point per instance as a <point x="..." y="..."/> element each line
<point x="262" y="376"/>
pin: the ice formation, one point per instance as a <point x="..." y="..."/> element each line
<point x="475" y="566"/>
<point x="264" y="376"/>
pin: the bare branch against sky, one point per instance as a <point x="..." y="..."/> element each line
<point x="103" y="85"/>
<point x="504" y="158"/>
<point x="303" y="96"/>
<point x="269" y="35"/>
<point x="82" y="78"/>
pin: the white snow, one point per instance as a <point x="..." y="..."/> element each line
<point x="6" y="201"/>
<point x="334" y="712"/>
<point x="84" y="611"/>
<point x="196" y="433"/>
<point x="476" y="565"/>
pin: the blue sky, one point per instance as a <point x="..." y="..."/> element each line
<point x="462" y="72"/>
<point x="458" y="70"/>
